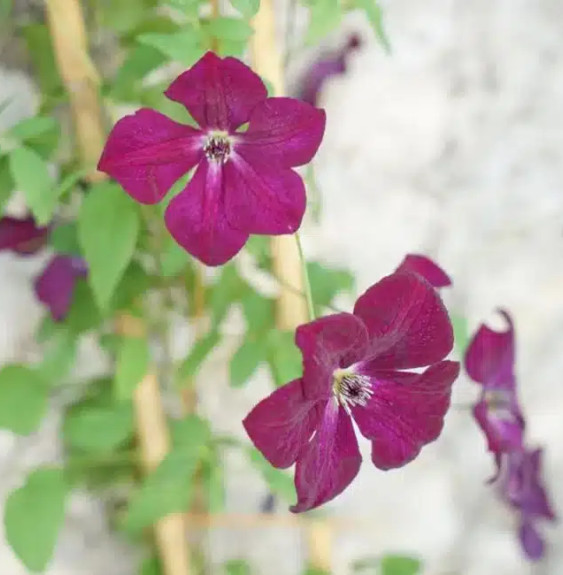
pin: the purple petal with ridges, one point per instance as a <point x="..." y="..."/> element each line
<point x="263" y="201"/>
<point x="489" y="359"/>
<point x="219" y="93"/>
<point x="426" y="268"/>
<point x="197" y="221"/>
<point x="531" y="540"/>
<point x="282" y="132"/>
<point x="282" y="424"/>
<point x="147" y="153"/>
<point x="55" y="286"/>
<point x="405" y="412"/>
<point x="329" y="343"/>
<point x="407" y="322"/>
<point x="329" y="462"/>
<point x="503" y="427"/>
<point x="22" y="236"/>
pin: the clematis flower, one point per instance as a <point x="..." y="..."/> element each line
<point x="243" y="182"/>
<point x="55" y="286"/>
<point x="324" y="68"/>
<point x="355" y="368"/>
<point x="489" y="360"/>
<point x="520" y="485"/>
<point x="428" y="269"/>
<point x="22" y="236"/>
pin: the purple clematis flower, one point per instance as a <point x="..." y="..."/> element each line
<point x="428" y="269"/>
<point x="322" y="69"/>
<point x="22" y="236"/>
<point x="55" y="285"/>
<point x="520" y="485"/>
<point x="243" y="183"/>
<point x="489" y="360"/>
<point x="353" y="369"/>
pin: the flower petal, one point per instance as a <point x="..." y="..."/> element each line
<point x="282" y="424"/>
<point x="196" y="218"/>
<point x="282" y="132"/>
<point x="219" y="93"/>
<point x="405" y="412"/>
<point x="329" y="462"/>
<point x="55" y="286"/>
<point x="407" y="322"/>
<point x="489" y="358"/>
<point x="263" y="201"/>
<point x="22" y="236"/>
<point x="531" y="540"/>
<point x="426" y="268"/>
<point x="329" y="343"/>
<point x="503" y="428"/>
<point x="147" y="153"/>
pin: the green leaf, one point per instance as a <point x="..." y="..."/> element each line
<point x="248" y="8"/>
<point x="278" y="481"/>
<point x="151" y="566"/>
<point x="184" y="46"/>
<point x="461" y="333"/>
<point x="23" y="399"/>
<point x="315" y="571"/>
<point x="237" y="567"/>
<point x="246" y="360"/>
<point x="59" y="357"/>
<point x="132" y="365"/>
<point x="373" y="11"/>
<point x="83" y="314"/>
<point x="108" y="228"/>
<point x="31" y="176"/>
<point x="327" y="283"/>
<point x="33" y="127"/>
<point x="168" y="489"/>
<point x="197" y="355"/>
<point x="134" y="283"/>
<point x="284" y="357"/>
<point x="229" y="288"/>
<point x="123" y="15"/>
<point x="258" y="311"/>
<point x="63" y="238"/>
<point x="174" y="259"/>
<point x="213" y="479"/>
<point x="98" y="429"/>
<point x="6" y="182"/>
<point x="400" y="565"/>
<point x="40" y="50"/>
<point x="6" y="8"/>
<point x="34" y="515"/>
<point x="229" y="29"/>
<point x="325" y="17"/>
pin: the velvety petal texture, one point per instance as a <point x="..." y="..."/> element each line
<point x="426" y="268"/>
<point x="352" y="370"/>
<point x="243" y="182"/>
<point x="55" y="286"/>
<point x="22" y="236"/>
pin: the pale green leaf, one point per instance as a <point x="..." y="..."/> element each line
<point x="284" y="357"/>
<point x="33" y="517"/>
<point x="184" y="47"/>
<point x="59" y="357"/>
<point x="132" y="365"/>
<point x="237" y="567"/>
<point x="108" y="227"/>
<point x="278" y="480"/>
<point x="324" y="18"/>
<point x="229" y="29"/>
<point x="23" y="399"/>
<point x="248" y="8"/>
<point x="400" y="565"/>
<point x="196" y="357"/>
<point x="373" y="11"/>
<point x="246" y="360"/>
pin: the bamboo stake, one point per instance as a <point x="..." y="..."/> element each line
<point x="291" y="308"/>
<point x="66" y="23"/>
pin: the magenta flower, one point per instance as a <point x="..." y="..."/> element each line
<point x="520" y="485"/>
<point x="55" y="286"/>
<point x="243" y="183"/>
<point x="353" y="370"/>
<point x="489" y="360"/>
<point x="428" y="269"/>
<point x="22" y="236"/>
<point x="324" y="68"/>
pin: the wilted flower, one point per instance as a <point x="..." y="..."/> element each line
<point x="243" y="183"/>
<point x="489" y="360"/>
<point x="324" y="68"/>
<point x="353" y="369"/>
<point x="520" y="485"/>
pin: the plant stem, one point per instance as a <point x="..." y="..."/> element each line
<point x="306" y="281"/>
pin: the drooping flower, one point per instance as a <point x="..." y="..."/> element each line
<point x="22" y="236"/>
<point x="520" y="485"/>
<point x="55" y="285"/>
<point x="428" y="269"/>
<point x="489" y="360"/>
<point x="322" y="69"/>
<point x="354" y="368"/>
<point x="243" y="183"/>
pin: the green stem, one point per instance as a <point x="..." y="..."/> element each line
<point x="306" y="281"/>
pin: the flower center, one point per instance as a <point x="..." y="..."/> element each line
<point x="217" y="147"/>
<point x="351" y="389"/>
